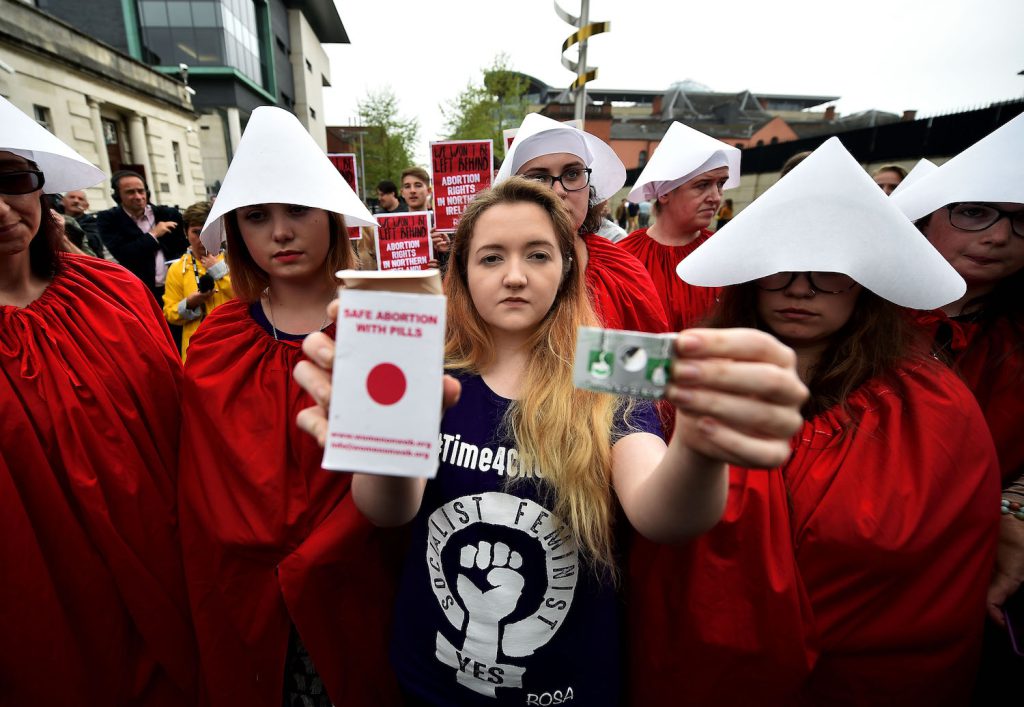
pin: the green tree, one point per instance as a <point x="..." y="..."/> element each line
<point x="390" y="139"/>
<point x="484" y="110"/>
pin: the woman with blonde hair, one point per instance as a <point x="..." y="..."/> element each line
<point x="289" y="585"/>
<point x="512" y="568"/>
<point x="583" y="171"/>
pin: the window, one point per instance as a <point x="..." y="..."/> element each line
<point x="42" y="114"/>
<point x="205" y="33"/>
<point x="176" y="150"/>
<point x="309" y="66"/>
<point x="312" y="114"/>
<point x="641" y="159"/>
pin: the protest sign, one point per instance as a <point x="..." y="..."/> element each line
<point x="403" y="241"/>
<point x="345" y="163"/>
<point x="461" y="169"/>
<point x="389" y="357"/>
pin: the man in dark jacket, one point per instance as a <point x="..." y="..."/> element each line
<point x="142" y="236"/>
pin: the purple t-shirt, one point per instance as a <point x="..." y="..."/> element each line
<point x="497" y="604"/>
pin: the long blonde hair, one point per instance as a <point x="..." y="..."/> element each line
<point x="559" y="430"/>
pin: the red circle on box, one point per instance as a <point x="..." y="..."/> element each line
<point x="386" y="384"/>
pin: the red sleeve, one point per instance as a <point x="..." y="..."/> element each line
<point x="685" y="305"/>
<point x="993" y="368"/>
<point x="620" y="289"/>
<point x="271" y="539"/>
<point x="891" y="526"/>
<point x="93" y="604"/>
<point x="990" y="359"/>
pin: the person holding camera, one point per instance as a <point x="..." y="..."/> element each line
<point x="199" y="282"/>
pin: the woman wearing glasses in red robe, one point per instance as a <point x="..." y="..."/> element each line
<point x="584" y="172"/>
<point x="972" y="210"/>
<point x="92" y="601"/>
<point x="855" y="574"/>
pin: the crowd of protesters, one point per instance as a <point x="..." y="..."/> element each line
<point x="807" y="517"/>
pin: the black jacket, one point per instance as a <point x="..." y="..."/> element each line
<point x="136" y="250"/>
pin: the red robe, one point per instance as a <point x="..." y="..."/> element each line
<point x="270" y="539"/>
<point x="686" y="305"/>
<point x="991" y="361"/>
<point x="620" y="289"/>
<point x="855" y="575"/>
<point x="92" y="600"/>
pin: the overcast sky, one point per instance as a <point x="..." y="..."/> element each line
<point x="935" y="56"/>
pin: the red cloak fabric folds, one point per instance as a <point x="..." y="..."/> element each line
<point x="93" y="607"/>
<point x="620" y="289"/>
<point x="866" y="588"/>
<point x="990" y="358"/>
<point x="685" y="305"/>
<point x="269" y="537"/>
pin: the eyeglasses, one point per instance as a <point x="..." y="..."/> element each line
<point x="21" y="182"/>
<point x="977" y="217"/>
<point x="572" y="179"/>
<point x="826" y="283"/>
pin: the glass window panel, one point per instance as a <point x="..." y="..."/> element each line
<point x="210" y="47"/>
<point x="231" y="51"/>
<point x="185" y="45"/>
<point x="154" y="14"/>
<point x="179" y="14"/>
<point x="160" y="42"/>
<point x="204" y="14"/>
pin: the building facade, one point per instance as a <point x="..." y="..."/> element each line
<point x="235" y="55"/>
<point x="116" y="112"/>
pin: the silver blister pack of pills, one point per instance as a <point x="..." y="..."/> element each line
<point x="622" y="362"/>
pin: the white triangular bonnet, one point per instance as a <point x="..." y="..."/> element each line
<point x="278" y="162"/>
<point x="828" y="215"/>
<point x="63" y="169"/>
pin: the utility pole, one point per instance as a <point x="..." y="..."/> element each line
<point x="584" y="73"/>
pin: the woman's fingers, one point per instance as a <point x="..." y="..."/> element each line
<point x="713" y="439"/>
<point x="763" y="380"/>
<point x="747" y="415"/>
<point x="738" y="395"/>
<point x="319" y="347"/>
<point x="738" y="362"/>
<point x="452" y="390"/>
<point x="315" y="381"/>
<point x="314" y="421"/>
<point x="735" y="344"/>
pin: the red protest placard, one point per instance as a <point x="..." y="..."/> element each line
<point x="345" y="163"/>
<point x="461" y="169"/>
<point x="403" y="241"/>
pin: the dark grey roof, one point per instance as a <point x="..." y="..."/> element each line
<point x="324" y="19"/>
<point x="854" y="121"/>
<point x="656" y="129"/>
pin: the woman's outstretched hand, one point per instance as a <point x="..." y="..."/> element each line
<point x="737" y="394"/>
